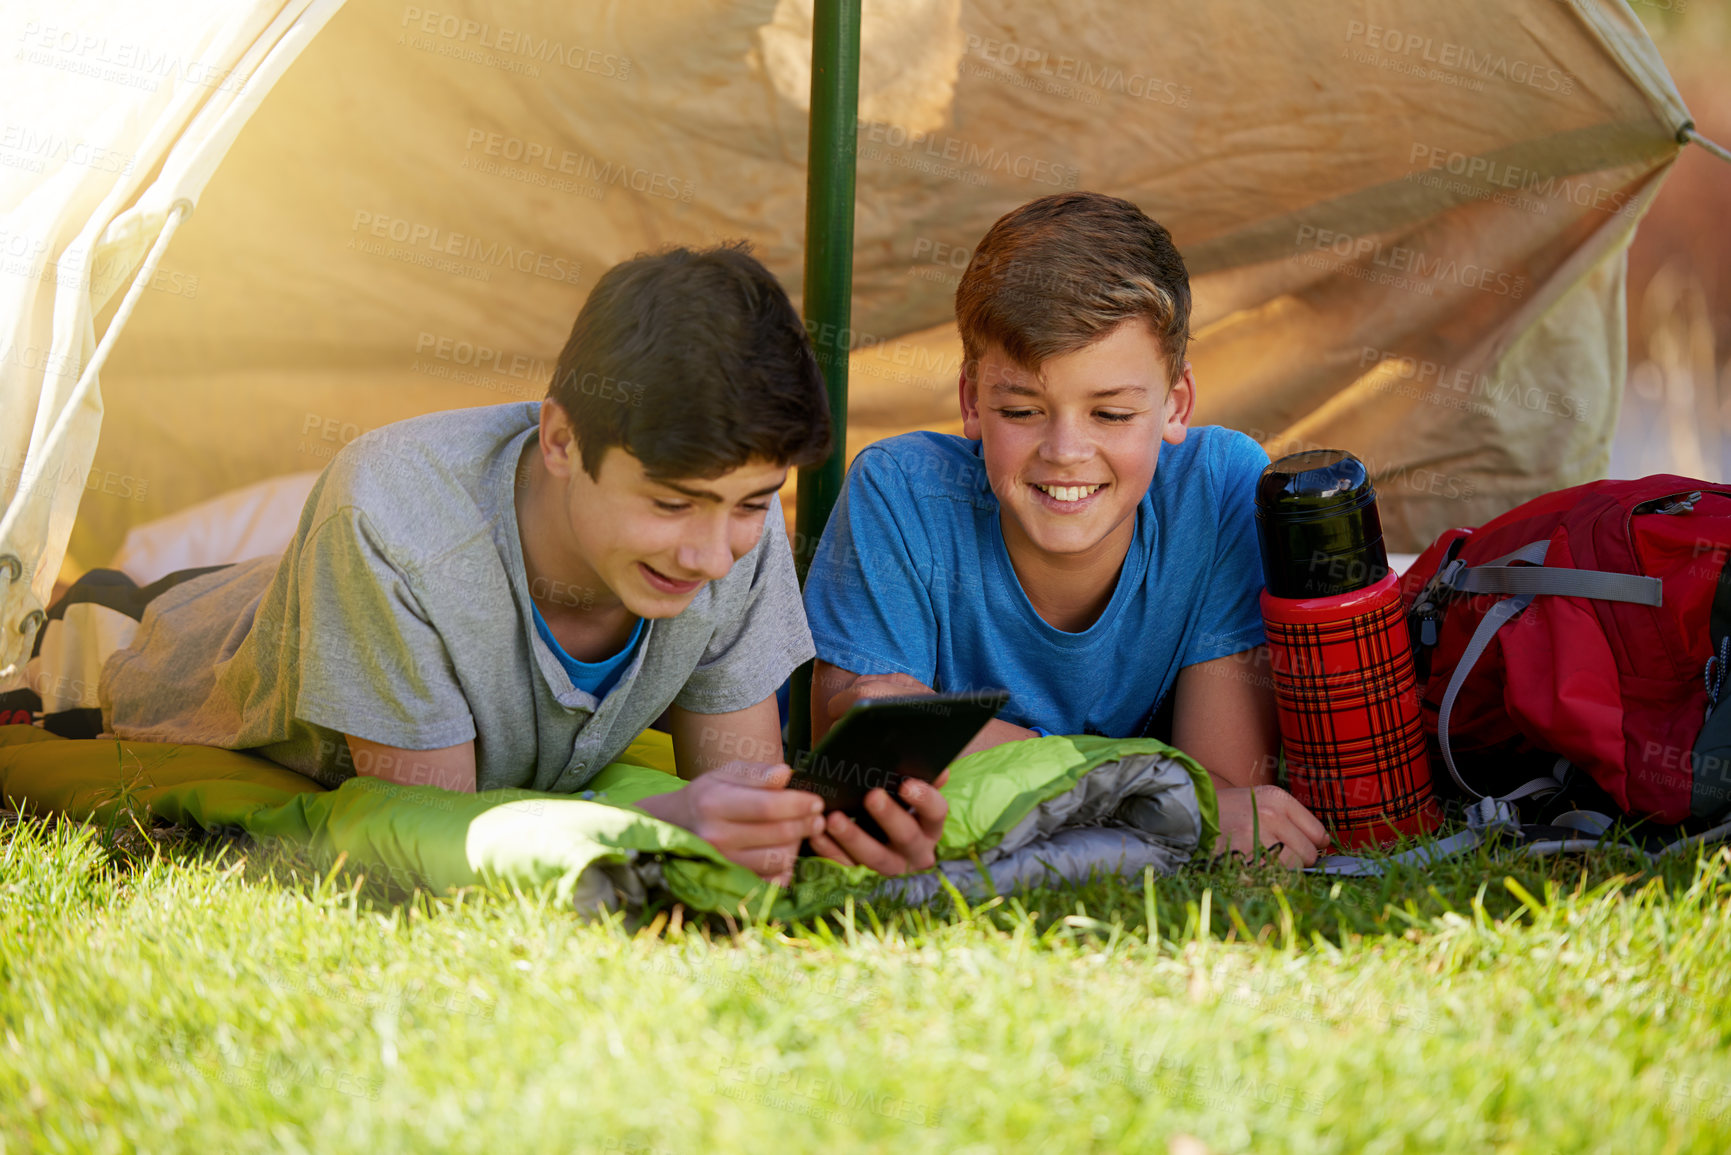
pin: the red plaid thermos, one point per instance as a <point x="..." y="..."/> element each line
<point x="1341" y="655"/>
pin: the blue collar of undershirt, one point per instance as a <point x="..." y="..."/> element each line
<point x="591" y="677"/>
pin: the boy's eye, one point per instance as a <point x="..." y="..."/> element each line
<point x="764" y="508"/>
<point x="1015" y="414"/>
<point x="671" y="506"/>
<point x="1108" y="416"/>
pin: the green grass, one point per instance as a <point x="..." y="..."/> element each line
<point x="175" y="995"/>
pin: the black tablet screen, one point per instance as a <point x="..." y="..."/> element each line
<point x="884" y="740"/>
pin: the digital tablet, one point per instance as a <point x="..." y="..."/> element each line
<point x="882" y="741"/>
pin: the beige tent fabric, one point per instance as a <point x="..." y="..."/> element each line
<point x="116" y="119"/>
<point x="1405" y="221"/>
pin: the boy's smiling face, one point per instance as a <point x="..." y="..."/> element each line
<point x="631" y="539"/>
<point x="656" y="543"/>
<point x="1071" y="450"/>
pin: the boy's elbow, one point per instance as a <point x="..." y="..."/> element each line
<point x="450" y="767"/>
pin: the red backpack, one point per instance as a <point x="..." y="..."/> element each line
<point x="1591" y="625"/>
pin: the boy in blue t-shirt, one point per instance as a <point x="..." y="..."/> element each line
<point x="1041" y="552"/>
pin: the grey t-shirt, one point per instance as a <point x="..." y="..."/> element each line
<point x="400" y="614"/>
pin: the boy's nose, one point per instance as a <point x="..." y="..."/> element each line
<point x="707" y="554"/>
<point x="1065" y="442"/>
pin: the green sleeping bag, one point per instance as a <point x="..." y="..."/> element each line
<point x="1020" y="813"/>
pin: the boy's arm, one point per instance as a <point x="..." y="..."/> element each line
<point x="702" y="742"/>
<point x="1223" y="715"/>
<point x="452" y="767"/>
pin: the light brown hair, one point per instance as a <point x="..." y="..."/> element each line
<point x="1060" y="272"/>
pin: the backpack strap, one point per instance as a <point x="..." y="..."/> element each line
<point x="1524" y="575"/>
<point x="1549" y="784"/>
<point x="1593" y="823"/>
<point x="1495" y="618"/>
<point x="1490" y="816"/>
<point x="1499" y="577"/>
<point x="1485" y="818"/>
<point x="1718" y="833"/>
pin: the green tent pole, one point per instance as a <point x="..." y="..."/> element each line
<point x="831" y="148"/>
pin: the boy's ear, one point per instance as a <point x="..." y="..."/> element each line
<point x="969" y="395"/>
<point x="559" y="450"/>
<point x="1180" y="403"/>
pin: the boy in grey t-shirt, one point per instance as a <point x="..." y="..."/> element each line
<point x="507" y="596"/>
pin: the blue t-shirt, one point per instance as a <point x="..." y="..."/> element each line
<point x="591" y="677"/>
<point x="913" y="576"/>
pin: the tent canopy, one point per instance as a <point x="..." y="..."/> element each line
<point x="1404" y="222"/>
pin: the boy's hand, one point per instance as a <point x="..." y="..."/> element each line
<point x="913" y="838"/>
<point x="1276" y="815"/>
<point x="866" y="686"/>
<point x="744" y="810"/>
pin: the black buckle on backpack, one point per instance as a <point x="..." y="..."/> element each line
<point x="1424" y="620"/>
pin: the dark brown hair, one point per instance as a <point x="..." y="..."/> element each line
<point x="1060" y="272"/>
<point x="695" y="362"/>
